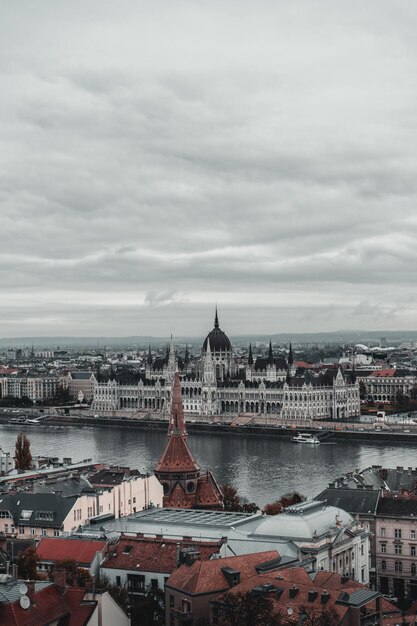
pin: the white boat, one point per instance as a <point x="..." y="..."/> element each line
<point x="305" y="438"/>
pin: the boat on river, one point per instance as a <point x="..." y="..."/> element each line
<point x="305" y="438"/>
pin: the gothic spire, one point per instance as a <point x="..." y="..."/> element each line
<point x="149" y="357"/>
<point x="177" y="424"/>
<point x="270" y="354"/>
<point x="186" y="356"/>
<point x="250" y="356"/>
<point x="290" y="356"/>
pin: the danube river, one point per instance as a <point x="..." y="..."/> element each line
<point x="262" y="468"/>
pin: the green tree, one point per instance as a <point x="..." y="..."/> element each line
<point x="23" y="457"/>
<point x="27" y="564"/>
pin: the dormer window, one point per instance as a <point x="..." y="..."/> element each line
<point x="44" y="515"/>
<point x="26" y="514"/>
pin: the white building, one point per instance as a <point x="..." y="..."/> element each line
<point x="270" y="387"/>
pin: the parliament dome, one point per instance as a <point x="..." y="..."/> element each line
<point x="219" y="341"/>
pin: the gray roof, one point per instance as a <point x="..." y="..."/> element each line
<point x="397" y="507"/>
<point x="304" y="521"/>
<point x="10" y="590"/>
<point x="24" y="508"/>
<point x="357" y="598"/>
<point x="81" y="375"/>
<point x="64" y="486"/>
<point x="355" y="501"/>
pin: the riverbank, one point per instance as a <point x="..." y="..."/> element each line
<point x="339" y="431"/>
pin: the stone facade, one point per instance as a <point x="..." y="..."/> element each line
<point x="269" y="386"/>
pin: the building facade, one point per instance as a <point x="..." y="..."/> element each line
<point x="269" y="386"/>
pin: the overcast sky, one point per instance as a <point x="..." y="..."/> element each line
<point x="159" y="157"/>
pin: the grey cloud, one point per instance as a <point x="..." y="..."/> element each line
<point x="191" y="154"/>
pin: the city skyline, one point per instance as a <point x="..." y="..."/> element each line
<point x="160" y="159"/>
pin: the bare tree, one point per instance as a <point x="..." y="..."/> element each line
<point x="23" y="457"/>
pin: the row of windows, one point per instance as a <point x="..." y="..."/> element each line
<point x="398" y="567"/>
<point x="398" y="549"/>
<point x="398" y="533"/>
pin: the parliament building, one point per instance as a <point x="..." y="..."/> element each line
<point x="266" y="386"/>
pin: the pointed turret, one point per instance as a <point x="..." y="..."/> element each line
<point x="290" y="356"/>
<point x="178" y="471"/>
<point x="208" y="366"/>
<point x="149" y="356"/>
<point x="186" y="356"/>
<point x="176" y="423"/>
<point x="270" y="354"/>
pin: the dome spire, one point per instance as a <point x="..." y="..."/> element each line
<point x="216" y="319"/>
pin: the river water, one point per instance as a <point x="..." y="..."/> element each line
<point x="262" y="468"/>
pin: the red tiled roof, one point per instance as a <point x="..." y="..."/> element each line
<point x="207" y="576"/>
<point x="177" y="456"/>
<point x="178" y="499"/>
<point x="208" y="492"/>
<point x="82" y="551"/>
<point x="80" y="611"/>
<point x="298" y="577"/>
<point x="155" y="555"/>
<point x="384" y="373"/>
<point x="49" y="606"/>
<point x="68" y="609"/>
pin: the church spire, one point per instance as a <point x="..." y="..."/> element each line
<point x="177" y="424"/>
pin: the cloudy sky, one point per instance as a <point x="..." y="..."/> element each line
<point x="159" y="157"/>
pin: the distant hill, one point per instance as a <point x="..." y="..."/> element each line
<point x="337" y="337"/>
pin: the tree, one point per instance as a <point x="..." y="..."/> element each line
<point x="119" y="594"/>
<point x="27" y="564"/>
<point x="328" y="616"/>
<point x="75" y="576"/>
<point x="288" y="499"/>
<point x="23" y="457"/>
<point x="233" y="502"/>
<point x="247" y="609"/>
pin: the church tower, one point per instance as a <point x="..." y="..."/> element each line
<point x="185" y="486"/>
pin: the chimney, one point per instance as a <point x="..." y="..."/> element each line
<point x="59" y="579"/>
<point x="178" y="554"/>
<point x="30" y="584"/>
<point x="325" y="597"/>
<point x="344" y="579"/>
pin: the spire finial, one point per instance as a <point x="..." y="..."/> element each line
<point x="216" y="319"/>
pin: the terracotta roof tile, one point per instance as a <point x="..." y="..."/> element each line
<point x="207" y="576"/>
<point x="82" y="551"/>
<point x="155" y="555"/>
